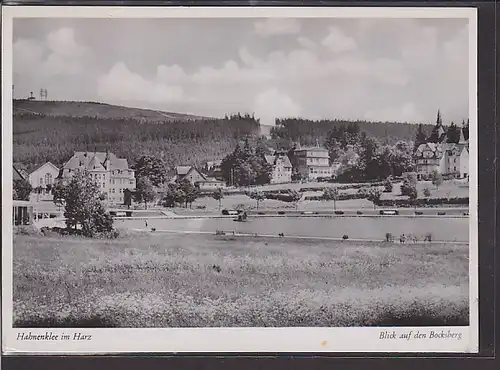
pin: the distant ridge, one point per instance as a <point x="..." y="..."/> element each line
<point x="59" y="108"/>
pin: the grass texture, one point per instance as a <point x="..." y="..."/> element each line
<point x="152" y="280"/>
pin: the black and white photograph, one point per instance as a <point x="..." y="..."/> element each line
<point x="239" y="180"/>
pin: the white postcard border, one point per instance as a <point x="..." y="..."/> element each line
<point x="244" y="340"/>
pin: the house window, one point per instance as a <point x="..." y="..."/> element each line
<point x="41" y="180"/>
<point x="103" y="184"/>
<point x="48" y="178"/>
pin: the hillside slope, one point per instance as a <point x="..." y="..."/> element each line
<point x="94" y="109"/>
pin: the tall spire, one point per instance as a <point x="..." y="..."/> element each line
<point x="462" y="137"/>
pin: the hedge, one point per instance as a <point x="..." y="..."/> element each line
<point x="346" y="187"/>
<point x="422" y="202"/>
<point x="340" y="197"/>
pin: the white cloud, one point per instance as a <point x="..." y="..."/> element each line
<point x="306" y="43"/>
<point x="121" y="84"/>
<point x="62" y="42"/>
<point x="277" y="26"/>
<point x="383" y="69"/>
<point x="173" y="74"/>
<point x="405" y="113"/>
<point x="58" y="54"/>
<point x="273" y="103"/>
<point x="337" y="41"/>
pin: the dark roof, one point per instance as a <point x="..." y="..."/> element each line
<point x="97" y="159"/>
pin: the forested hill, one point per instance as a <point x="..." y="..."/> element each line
<point x="308" y="132"/>
<point x="96" y="110"/>
<point x="39" y="138"/>
<point x="53" y="131"/>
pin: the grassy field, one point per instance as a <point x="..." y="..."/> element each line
<point x="160" y="280"/>
<point x="449" y="189"/>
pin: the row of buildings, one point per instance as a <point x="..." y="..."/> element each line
<point x="113" y="175"/>
<point x="442" y="156"/>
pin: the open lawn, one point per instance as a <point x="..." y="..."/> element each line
<point x="165" y="280"/>
<point x="449" y="189"/>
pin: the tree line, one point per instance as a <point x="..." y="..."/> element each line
<point x="307" y="132"/>
<point x="39" y="138"/>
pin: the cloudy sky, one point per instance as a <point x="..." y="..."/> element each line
<point x="375" y="69"/>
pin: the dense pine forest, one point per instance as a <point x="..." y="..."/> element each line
<point x="44" y="131"/>
<point x="39" y="138"/>
<point x="308" y="132"/>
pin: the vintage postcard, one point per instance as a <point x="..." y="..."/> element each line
<point x="239" y="180"/>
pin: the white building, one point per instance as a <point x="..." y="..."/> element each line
<point x="43" y="176"/>
<point x="112" y="174"/>
<point x="446" y="158"/>
<point x="313" y="162"/>
<point x="281" y="168"/>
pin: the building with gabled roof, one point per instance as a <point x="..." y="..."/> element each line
<point x="281" y="168"/>
<point x="443" y="157"/>
<point x="43" y="178"/>
<point x="112" y="174"/>
<point x="190" y="173"/>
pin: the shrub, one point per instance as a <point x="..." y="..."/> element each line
<point x="345" y="237"/>
<point x="428" y="237"/>
<point x="388" y="186"/>
<point x="27" y="230"/>
<point x="427" y="192"/>
<point x="425" y="202"/>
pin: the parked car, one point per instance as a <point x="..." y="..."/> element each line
<point x="339" y="212"/>
<point x="230" y="212"/>
<point x="389" y="212"/>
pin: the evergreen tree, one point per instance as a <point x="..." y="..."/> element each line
<point x="420" y="137"/>
<point x="453" y="134"/>
<point x="151" y="168"/>
<point x="83" y="206"/>
<point x="436" y="131"/>
<point x="145" y="191"/>
<point x="21" y="190"/>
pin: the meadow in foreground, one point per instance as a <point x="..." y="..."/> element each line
<point x="166" y="280"/>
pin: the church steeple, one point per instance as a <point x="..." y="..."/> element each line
<point x="462" y="137"/>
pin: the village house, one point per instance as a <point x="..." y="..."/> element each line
<point x="213" y="169"/>
<point x="211" y="184"/>
<point x="281" y="168"/>
<point x="313" y="162"/>
<point x="196" y="177"/>
<point x="43" y="177"/>
<point x="112" y="174"/>
<point x="190" y="173"/>
<point x="443" y="157"/>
